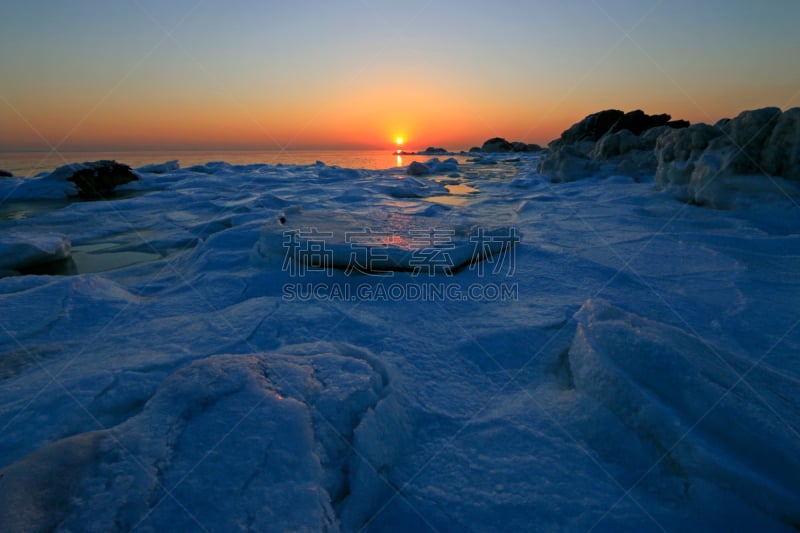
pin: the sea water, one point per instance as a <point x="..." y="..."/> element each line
<point x="31" y="164"/>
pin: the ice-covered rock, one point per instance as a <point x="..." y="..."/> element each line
<point x="722" y="165"/>
<point x="719" y="166"/>
<point x="692" y="406"/>
<point x="432" y="166"/>
<point x="212" y="167"/>
<point x="677" y="151"/>
<point x="37" y="490"/>
<point x="160" y="168"/>
<point x="526" y="147"/>
<point x="616" y="144"/>
<point x="744" y="138"/>
<point x="606" y="143"/>
<point x="418" y="169"/>
<point x="22" y="250"/>
<point x="712" y="184"/>
<point x="781" y="153"/>
<point x="411" y="187"/>
<point x="278" y="441"/>
<point x="567" y="163"/>
<point x="632" y="153"/>
<point x="440" y="167"/>
<point x="46" y="186"/>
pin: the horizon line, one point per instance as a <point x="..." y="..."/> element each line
<point x="390" y="149"/>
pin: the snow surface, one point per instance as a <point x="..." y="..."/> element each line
<point x="643" y="377"/>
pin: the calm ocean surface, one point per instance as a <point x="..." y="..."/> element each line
<point x="33" y="163"/>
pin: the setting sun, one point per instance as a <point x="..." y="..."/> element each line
<point x="399" y="141"/>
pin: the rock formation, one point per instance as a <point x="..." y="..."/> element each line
<point x="98" y="179"/>
<point x="431" y="150"/>
<point x="715" y="165"/>
<point x="707" y="165"/>
<point x="418" y="169"/>
<point x="610" y="136"/>
<point x="499" y="145"/>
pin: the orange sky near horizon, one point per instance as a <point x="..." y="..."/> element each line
<point x="255" y="75"/>
<point x="371" y="118"/>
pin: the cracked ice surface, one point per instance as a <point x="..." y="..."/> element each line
<point x="644" y="376"/>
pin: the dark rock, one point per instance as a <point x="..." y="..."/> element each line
<point x="6" y="174"/>
<point x="418" y="169"/>
<point x="607" y="142"/>
<point x="58" y="267"/>
<point x="592" y="127"/>
<point x="678" y="124"/>
<point x="430" y="150"/>
<point x="518" y="146"/>
<point x="595" y="126"/>
<point x="98" y="179"/>
<point x="497" y="145"/>
<point x="474" y="149"/>
<point x="637" y="122"/>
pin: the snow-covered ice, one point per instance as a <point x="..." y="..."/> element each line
<point x="533" y="356"/>
<point x="18" y="251"/>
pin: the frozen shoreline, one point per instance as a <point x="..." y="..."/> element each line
<point x="643" y="375"/>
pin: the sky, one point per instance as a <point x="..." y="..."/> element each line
<point x="257" y="74"/>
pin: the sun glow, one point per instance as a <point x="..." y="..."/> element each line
<point x="399" y="151"/>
